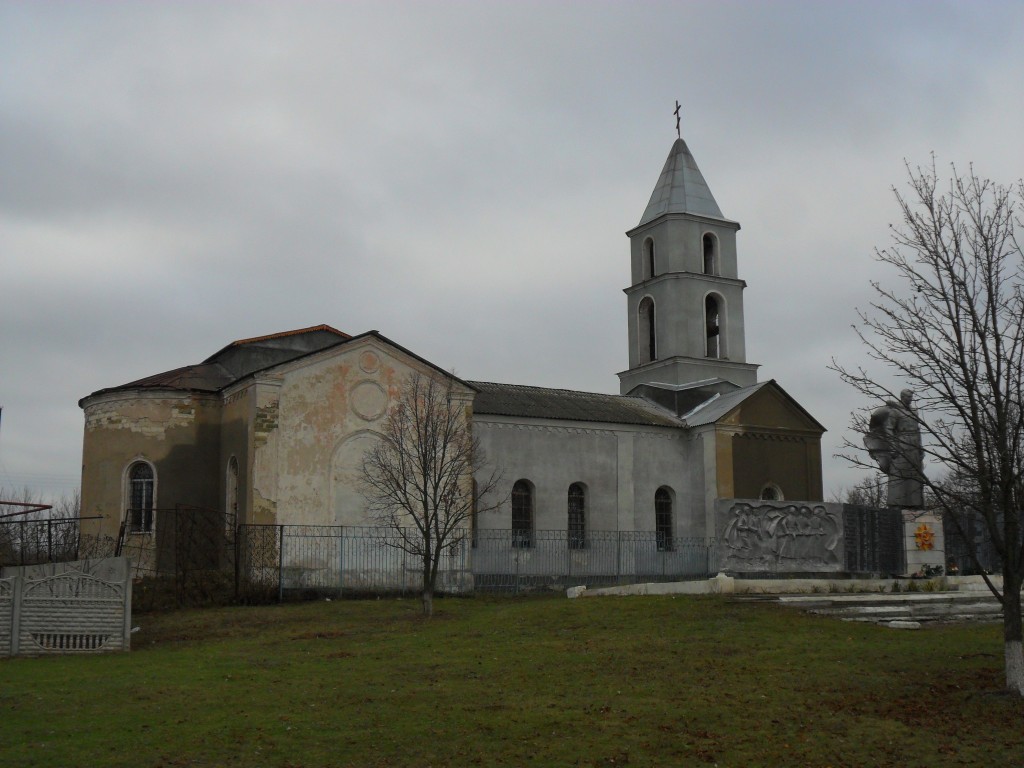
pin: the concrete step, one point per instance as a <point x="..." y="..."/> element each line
<point x="913" y="607"/>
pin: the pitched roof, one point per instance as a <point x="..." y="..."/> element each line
<point x="719" y="406"/>
<point x="239" y="359"/>
<point x="681" y="188"/>
<point x="322" y="328"/>
<point x="568" y="405"/>
<point x="203" y="378"/>
<point x="259" y="354"/>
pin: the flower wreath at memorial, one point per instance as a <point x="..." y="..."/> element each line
<point x="924" y="537"/>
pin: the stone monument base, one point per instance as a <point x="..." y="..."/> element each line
<point x="923" y="541"/>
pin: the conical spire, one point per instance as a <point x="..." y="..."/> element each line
<point x="681" y="188"/>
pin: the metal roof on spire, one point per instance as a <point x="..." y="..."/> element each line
<point x="681" y="188"/>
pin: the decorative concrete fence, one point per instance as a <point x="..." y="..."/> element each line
<point x="60" y="608"/>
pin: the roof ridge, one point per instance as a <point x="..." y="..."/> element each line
<point x="296" y="332"/>
<point x="552" y="389"/>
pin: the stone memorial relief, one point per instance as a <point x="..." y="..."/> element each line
<point x="780" y="537"/>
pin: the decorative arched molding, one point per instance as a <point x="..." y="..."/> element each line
<point x="347" y="505"/>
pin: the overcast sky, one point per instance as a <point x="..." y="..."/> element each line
<point x="458" y="176"/>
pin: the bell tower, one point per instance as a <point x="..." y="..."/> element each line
<point x="685" y="301"/>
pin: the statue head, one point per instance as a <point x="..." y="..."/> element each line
<point x="907" y="397"/>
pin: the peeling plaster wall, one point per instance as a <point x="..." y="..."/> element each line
<point x="621" y="466"/>
<point x="177" y="433"/>
<point x="313" y="427"/>
<point x="265" y="431"/>
<point x="236" y="441"/>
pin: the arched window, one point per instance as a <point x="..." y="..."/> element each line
<point x="231" y="501"/>
<point x="649" y="266"/>
<point x="577" y="533"/>
<point x="646" y="330"/>
<point x="771" y="492"/>
<point x="710" y="254"/>
<point x="141" y="487"/>
<point x="663" y="519"/>
<point x="713" y="326"/>
<point x="522" y="514"/>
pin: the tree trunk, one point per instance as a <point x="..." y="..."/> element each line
<point x="1012" y="649"/>
<point x="428" y="588"/>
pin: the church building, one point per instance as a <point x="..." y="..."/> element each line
<point x="273" y="429"/>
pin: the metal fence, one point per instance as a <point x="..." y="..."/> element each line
<point x="34" y="541"/>
<point x="284" y="560"/>
<point x="555" y="560"/>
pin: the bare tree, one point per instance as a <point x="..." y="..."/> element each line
<point x="419" y="478"/>
<point x="953" y="331"/>
<point x="868" y="492"/>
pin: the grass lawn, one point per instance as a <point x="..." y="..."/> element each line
<point x="513" y="682"/>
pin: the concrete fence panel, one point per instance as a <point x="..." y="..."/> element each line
<point x="66" y="612"/>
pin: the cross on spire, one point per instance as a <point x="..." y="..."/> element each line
<point x="676" y="113"/>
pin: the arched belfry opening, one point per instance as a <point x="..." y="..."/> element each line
<point x="714" y="346"/>
<point x="710" y="254"/>
<point x="646" y="331"/>
<point x="649" y="265"/>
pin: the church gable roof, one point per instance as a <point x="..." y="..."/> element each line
<point x="521" y="401"/>
<point x="764" y="404"/>
<point x="245" y="356"/>
<point x="205" y="377"/>
<point x="239" y="359"/>
<point x="681" y="188"/>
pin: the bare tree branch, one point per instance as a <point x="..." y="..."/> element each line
<point x="425" y="478"/>
<point x="951" y="329"/>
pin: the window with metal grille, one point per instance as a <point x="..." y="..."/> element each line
<point x="141" y="481"/>
<point x="577" y="533"/>
<point x="522" y="514"/>
<point x="663" y="519"/>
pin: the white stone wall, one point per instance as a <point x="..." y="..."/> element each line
<point x="621" y="466"/>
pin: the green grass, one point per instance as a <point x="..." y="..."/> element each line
<point x="512" y="682"/>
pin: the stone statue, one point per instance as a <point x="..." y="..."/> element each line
<point x="893" y="440"/>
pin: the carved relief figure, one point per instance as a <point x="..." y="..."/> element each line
<point x="781" y="538"/>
